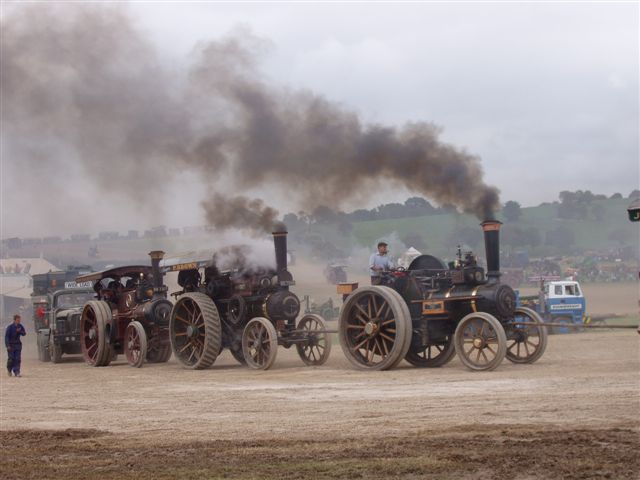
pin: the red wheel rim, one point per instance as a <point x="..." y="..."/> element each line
<point x="134" y="345"/>
<point x="91" y="336"/>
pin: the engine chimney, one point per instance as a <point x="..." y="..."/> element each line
<point x="156" y="256"/>
<point x="491" y="230"/>
<point x="280" y="244"/>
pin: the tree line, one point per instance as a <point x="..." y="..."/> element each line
<point x="577" y="205"/>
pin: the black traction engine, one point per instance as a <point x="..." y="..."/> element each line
<point x="247" y="309"/>
<point x="430" y="311"/>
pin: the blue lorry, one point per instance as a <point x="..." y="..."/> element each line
<point x="559" y="301"/>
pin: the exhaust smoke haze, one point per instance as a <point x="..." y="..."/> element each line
<point x="83" y="88"/>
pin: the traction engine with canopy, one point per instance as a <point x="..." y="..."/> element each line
<point x="429" y="312"/>
<point x="130" y="315"/>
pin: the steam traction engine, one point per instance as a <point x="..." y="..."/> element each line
<point x="130" y="316"/>
<point x="248" y="310"/>
<point x="428" y="313"/>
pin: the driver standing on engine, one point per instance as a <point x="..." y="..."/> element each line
<point x="378" y="263"/>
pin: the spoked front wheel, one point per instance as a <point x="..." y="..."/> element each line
<point x="135" y="344"/>
<point x="318" y="346"/>
<point x="480" y="341"/>
<point x="260" y="343"/>
<point x="526" y="343"/>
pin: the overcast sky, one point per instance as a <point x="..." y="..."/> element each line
<point x="545" y="94"/>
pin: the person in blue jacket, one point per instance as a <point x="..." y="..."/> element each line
<point x="14" y="345"/>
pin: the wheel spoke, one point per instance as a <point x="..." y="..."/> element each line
<point x="484" y="355"/>
<point x="192" y="353"/>
<point x="361" y="343"/>
<point x="385" y="312"/>
<point x="386" y="337"/>
<point x="186" y="306"/>
<point x="369" y="351"/>
<point x="379" y="348"/>
<point x="359" y="317"/>
<point x="384" y="345"/>
<point x="362" y="311"/>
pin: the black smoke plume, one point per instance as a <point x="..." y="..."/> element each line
<point x="83" y="87"/>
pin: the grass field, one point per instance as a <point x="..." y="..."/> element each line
<point x="435" y="229"/>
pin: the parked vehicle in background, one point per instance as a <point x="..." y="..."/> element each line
<point x="57" y="305"/>
<point x="558" y="301"/>
<point x="335" y="273"/>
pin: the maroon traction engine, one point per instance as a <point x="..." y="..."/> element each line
<point x="130" y="315"/>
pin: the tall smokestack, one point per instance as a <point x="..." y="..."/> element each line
<point x="156" y="256"/>
<point x="491" y="230"/>
<point x="280" y="244"/>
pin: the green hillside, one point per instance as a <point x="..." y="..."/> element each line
<point x="611" y="229"/>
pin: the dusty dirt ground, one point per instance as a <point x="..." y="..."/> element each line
<point x="573" y="414"/>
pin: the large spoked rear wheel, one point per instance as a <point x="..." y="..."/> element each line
<point x="94" y="338"/>
<point x="195" y="331"/>
<point x="135" y="344"/>
<point x="433" y="355"/>
<point x="481" y="342"/>
<point x="375" y="328"/>
<point x="260" y="343"/>
<point x="526" y="343"/>
<point x="318" y="347"/>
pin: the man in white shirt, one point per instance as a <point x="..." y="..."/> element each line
<point x="378" y="263"/>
